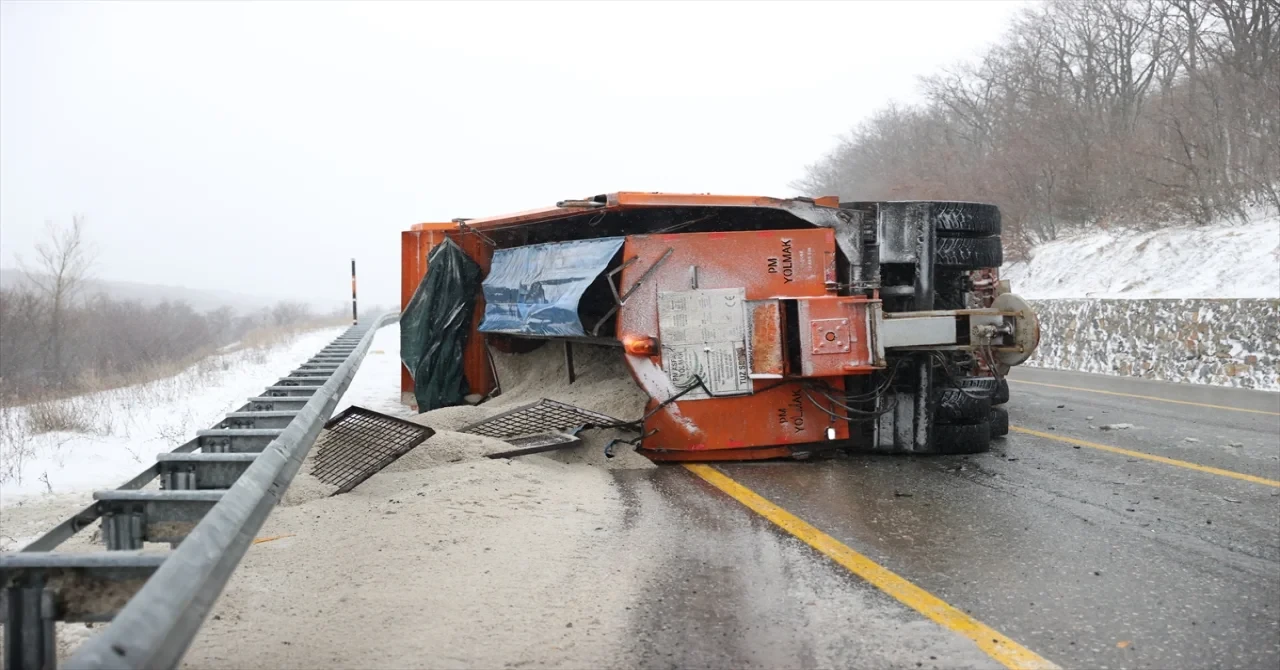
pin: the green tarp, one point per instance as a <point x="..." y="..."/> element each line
<point x="435" y="324"/>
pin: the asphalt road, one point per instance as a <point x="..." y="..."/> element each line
<point x="1087" y="552"/>
<point x="1154" y="543"/>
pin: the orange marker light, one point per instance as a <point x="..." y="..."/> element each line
<point x="640" y="345"/>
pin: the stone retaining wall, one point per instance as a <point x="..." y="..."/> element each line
<point x="1228" y="342"/>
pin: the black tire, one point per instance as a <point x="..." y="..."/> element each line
<point x="999" y="422"/>
<point x="965" y="219"/>
<point x="964" y="438"/>
<point x="950" y="219"/>
<point x="969" y="253"/>
<point x="956" y="405"/>
<point x="997" y="389"/>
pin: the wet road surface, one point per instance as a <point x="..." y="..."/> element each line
<point x="1083" y="553"/>
<point x="725" y="589"/>
<point x="1089" y="558"/>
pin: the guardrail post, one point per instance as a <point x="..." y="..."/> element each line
<point x="122" y="529"/>
<point x="179" y="479"/>
<point x="29" y="631"/>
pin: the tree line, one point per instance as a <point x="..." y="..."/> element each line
<point x="56" y="340"/>
<point x="1088" y="113"/>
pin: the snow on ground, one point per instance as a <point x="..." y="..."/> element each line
<point x="131" y="425"/>
<point x="376" y="385"/>
<point x="1225" y="260"/>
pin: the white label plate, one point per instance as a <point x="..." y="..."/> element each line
<point x="704" y="335"/>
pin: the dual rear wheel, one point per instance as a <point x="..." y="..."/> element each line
<point x="969" y="414"/>
<point x="967" y="237"/>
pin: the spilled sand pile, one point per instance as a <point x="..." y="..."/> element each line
<point x="602" y="384"/>
<point x="357" y="580"/>
<point x="444" y="529"/>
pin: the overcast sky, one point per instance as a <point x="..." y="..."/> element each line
<point x="256" y="147"/>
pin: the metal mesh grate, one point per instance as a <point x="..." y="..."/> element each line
<point x="359" y="442"/>
<point x="533" y="444"/>
<point x="539" y="417"/>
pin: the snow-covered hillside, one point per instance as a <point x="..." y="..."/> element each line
<point x="127" y="427"/>
<point x="1226" y="260"/>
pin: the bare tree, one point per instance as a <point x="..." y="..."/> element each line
<point x="62" y="265"/>
<point x="287" y="313"/>
<point x="1088" y="113"/>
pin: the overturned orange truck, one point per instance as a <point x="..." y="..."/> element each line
<point x="759" y="327"/>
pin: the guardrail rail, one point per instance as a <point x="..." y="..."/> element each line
<point x="215" y="492"/>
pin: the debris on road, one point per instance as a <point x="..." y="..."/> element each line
<point x="359" y="442"/>
<point x="1115" y="426"/>
<point x="1190" y="439"/>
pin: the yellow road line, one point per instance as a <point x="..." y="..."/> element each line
<point x="1148" y="397"/>
<point x="1006" y="651"/>
<point x="1150" y="457"/>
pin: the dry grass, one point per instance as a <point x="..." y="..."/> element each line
<point x="58" y="416"/>
<point x="270" y="336"/>
<point x="257" y="341"/>
<point x="112" y="406"/>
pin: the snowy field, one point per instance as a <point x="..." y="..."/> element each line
<point x="376" y="385"/>
<point x="127" y="427"/>
<point x="1226" y="260"/>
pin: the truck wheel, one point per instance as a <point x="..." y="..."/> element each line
<point x="969" y="253"/>
<point x="966" y="219"/>
<point x="965" y="438"/>
<point x="997" y="389"/>
<point x="999" y="422"/>
<point x="958" y="405"/>
<point x="950" y="219"/>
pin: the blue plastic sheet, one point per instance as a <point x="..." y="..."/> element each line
<point x="535" y="290"/>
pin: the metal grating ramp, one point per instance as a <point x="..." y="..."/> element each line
<point x="540" y="417"/>
<point x="359" y="443"/>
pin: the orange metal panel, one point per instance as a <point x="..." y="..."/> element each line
<point x="744" y="454"/>
<point x="767" y="360"/>
<point x="413" y="266"/>
<point x="435" y="227"/>
<point x="774" y="416"/>
<point x="835" y="337"/>
<point x="766" y="264"/>
<point x="530" y="216"/>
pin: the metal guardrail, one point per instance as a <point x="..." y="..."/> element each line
<point x="211" y="506"/>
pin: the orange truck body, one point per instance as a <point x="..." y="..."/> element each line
<point x="795" y="275"/>
<point x="775" y="414"/>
